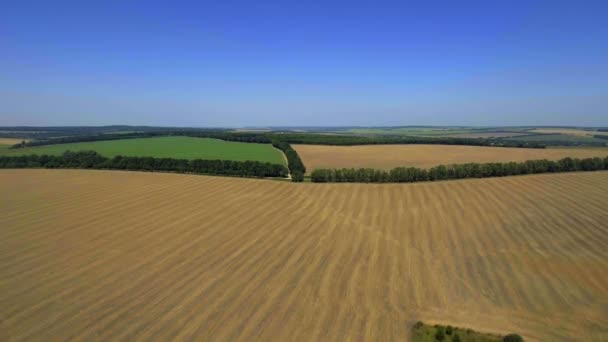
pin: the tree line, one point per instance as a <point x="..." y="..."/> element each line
<point x="93" y="160"/>
<point x="559" y="139"/>
<point x="42" y="133"/>
<point x="291" y="138"/>
<point x="295" y="164"/>
<point x="222" y="135"/>
<point x="347" y="140"/>
<point x="458" y="171"/>
<point x="294" y="161"/>
<point x="280" y="140"/>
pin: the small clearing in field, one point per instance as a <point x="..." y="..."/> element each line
<point x="426" y="156"/>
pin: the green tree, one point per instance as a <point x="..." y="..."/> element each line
<point x="448" y="330"/>
<point x="513" y="338"/>
<point x="297" y="176"/>
<point x="440" y="333"/>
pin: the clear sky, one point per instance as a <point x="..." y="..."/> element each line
<point x="256" y="63"/>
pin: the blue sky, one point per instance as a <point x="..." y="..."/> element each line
<point x="256" y="63"/>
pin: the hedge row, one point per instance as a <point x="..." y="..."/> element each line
<point x="459" y="171"/>
<point x="292" y="138"/>
<point x="296" y="167"/>
<point x="347" y="140"/>
<point x="222" y="135"/>
<point x="93" y="160"/>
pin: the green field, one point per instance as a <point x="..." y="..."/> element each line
<point x="165" y="147"/>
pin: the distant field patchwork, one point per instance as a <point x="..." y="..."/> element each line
<point x="580" y="139"/>
<point x="568" y="131"/>
<point x="487" y="135"/>
<point x="122" y="256"/>
<point x="426" y="156"/>
<point x="5" y="143"/>
<point x="166" y="147"/>
<point x="458" y="132"/>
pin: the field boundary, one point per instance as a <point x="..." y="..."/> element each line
<point x="93" y="160"/>
<point x="292" y="138"/>
<point x="457" y="171"/>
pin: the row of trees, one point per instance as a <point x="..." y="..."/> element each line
<point x="49" y="133"/>
<point x="281" y="141"/>
<point x="296" y="166"/>
<point x="215" y="134"/>
<point x="334" y="139"/>
<point x="559" y="139"/>
<point x="458" y="171"/>
<point x="93" y="160"/>
<point x="292" y="138"/>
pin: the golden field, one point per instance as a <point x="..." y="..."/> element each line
<point x="109" y="255"/>
<point x="10" y="141"/>
<point x="426" y="156"/>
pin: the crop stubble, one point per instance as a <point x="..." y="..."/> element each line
<point x="126" y="255"/>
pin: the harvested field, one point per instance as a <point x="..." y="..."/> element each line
<point x="110" y="255"/>
<point x="10" y="141"/>
<point x="426" y="156"/>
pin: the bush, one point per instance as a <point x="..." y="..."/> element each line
<point x="297" y="176"/>
<point x="448" y="330"/>
<point x="456" y="338"/>
<point x="513" y="338"/>
<point x="418" y="325"/>
<point x="440" y="334"/>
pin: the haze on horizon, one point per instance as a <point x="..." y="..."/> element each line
<point x="304" y="64"/>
